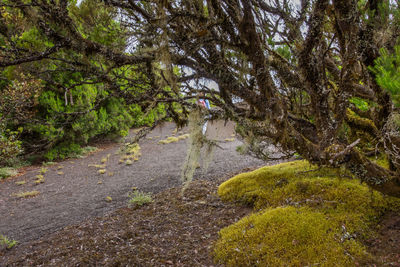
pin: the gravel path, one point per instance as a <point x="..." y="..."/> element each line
<point x="80" y="192"/>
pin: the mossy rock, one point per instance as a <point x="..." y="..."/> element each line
<point x="286" y="236"/>
<point x="299" y="203"/>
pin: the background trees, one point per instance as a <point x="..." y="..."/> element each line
<point x="309" y="75"/>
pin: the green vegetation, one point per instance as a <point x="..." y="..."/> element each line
<point x="57" y="113"/>
<point x="306" y="216"/>
<point x="138" y="198"/>
<point x="387" y="69"/>
<point x="43" y="170"/>
<point x="7" y="243"/>
<point x="10" y="146"/>
<point x="7" y="172"/>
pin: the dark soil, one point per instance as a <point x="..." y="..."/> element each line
<point x="171" y="231"/>
<point x="386" y="247"/>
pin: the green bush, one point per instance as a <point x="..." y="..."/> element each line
<point x="10" y="147"/>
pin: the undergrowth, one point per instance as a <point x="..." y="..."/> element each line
<point x="7" y="172"/>
<point x="304" y="216"/>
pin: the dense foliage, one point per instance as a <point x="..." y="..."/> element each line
<point x="57" y="104"/>
<point x="318" y="78"/>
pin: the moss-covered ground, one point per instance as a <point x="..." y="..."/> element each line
<point x="303" y="216"/>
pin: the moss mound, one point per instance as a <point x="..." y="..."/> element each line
<point x="285" y="236"/>
<point x="306" y="217"/>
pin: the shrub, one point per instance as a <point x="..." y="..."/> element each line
<point x="10" y="147"/>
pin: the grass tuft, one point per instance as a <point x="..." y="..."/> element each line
<point x="171" y="139"/>
<point x="138" y="198"/>
<point x="7" y="243"/>
<point x="43" y="170"/>
<point x="26" y="194"/>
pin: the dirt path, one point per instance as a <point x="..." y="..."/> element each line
<point x="80" y="191"/>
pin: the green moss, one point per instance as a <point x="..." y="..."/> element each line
<point x="381" y="161"/>
<point x="247" y="187"/>
<point x="361" y="122"/>
<point x="299" y="201"/>
<point x="285" y="236"/>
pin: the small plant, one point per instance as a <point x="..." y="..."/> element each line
<point x="102" y="171"/>
<point x="7" y="243"/>
<point x="27" y="194"/>
<point x="138" y="198"/>
<point x="39" y="179"/>
<point x="128" y="162"/>
<point x="7" y="172"/>
<point x="43" y="170"/>
<point x="108" y="199"/>
<point x="20" y="182"/>
<point x="97" y="166"/>
<point x="60" y="173"/>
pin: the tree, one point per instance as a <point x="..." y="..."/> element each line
<point x="66" y="97"/>
<point x="302" y="70"/>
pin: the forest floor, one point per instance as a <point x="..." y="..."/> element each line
<point x="73" y="191"/>
<point x="71" y="222"/>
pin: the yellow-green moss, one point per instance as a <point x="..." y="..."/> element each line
<point x="169" y="140"/>
<point x="286" y="236"/>
<point x="293" y="193"/>
<point x="246" y="187"/>
<point x="363" y="123"/>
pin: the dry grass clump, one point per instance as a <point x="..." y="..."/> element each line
<point x="131" y="153"/>
<point x="171" y="139"/>
<point x="39" y="179"/>
<point x="26" y="194"/>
